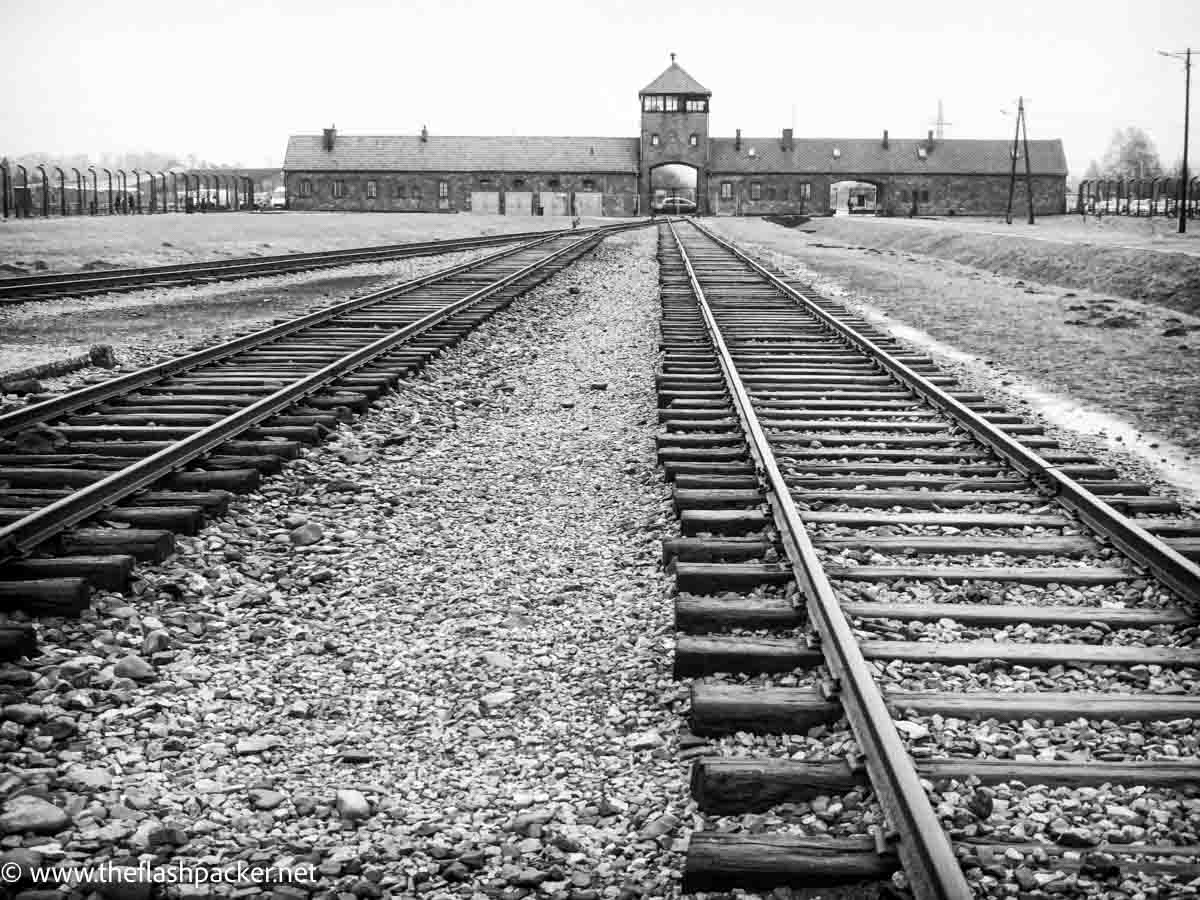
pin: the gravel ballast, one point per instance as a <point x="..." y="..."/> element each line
<point x="431" y="658"/>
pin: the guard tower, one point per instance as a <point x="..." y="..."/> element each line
<point x="674" y="129"/>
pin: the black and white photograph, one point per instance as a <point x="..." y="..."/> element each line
<point x="574" y="450"/>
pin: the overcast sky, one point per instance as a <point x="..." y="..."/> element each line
<point x="229" y="81"/>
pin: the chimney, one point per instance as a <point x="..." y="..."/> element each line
<point x="788" y="142"/>
<point x="885" y="139"/>
<point x="737" y="141"/>
<point x="929" y="139"/>
<point x="424" y="135"/>
<point x="327" y="139"/>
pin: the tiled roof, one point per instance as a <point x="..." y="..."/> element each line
<point x="441" y="153"/>
<point x="867" y="156"/>
<point x="675" y="81"/>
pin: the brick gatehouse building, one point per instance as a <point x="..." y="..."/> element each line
<point x="610" y="176"/>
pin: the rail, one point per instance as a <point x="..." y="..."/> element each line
<point x="20" y="537"/>
<point x="1168" y="565"/>
<point x="923" y="846"/>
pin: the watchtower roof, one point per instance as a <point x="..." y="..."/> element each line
<point x="674" y="80"/>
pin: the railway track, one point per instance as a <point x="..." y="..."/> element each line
<point x="27" y="288"/>
<point x="95" y="480"/>
<point x="931" y="650"/>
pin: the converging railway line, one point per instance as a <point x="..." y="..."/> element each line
<point x="96" y="479"/>
<point x="929" y="646"/>
<point x="27" y="288"/>
<point x="929" y="652"/>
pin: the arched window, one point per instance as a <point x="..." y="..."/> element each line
<point x="693" y="140"/>
<point x="654" y="140"/>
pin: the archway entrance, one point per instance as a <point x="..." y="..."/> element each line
<point x="673" y="188"/>
<point x="853" y="198"/>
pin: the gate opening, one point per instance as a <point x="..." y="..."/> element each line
<point x="673" y="188"/>
<point x="853" y="198"/>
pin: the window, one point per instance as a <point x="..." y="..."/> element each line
<point x="770" y="193"/>
<point x="485" y="182"/>
<point x="654" y="140"/>
<point x="518" y="183"/>
<point x="925" y="196"/>
<point x="755" y="190"/>
<point x="697" y="104"/>
<point x="693" y="140"/>
<point x="305" y="188"/>
<point x="372" y="190"/>
<point x="443" y="190"/>
<point x="588" y="184"/>
<point x="416" y="196"/>
<point x="400" y="191"/>
<point x="339" y="189"/>
<point x="805" y="191"/>
<point x="726" y="190"/>
<point x="670" y="104"/>
<point x="652" y="104"/>
<point x="555" y="183"/>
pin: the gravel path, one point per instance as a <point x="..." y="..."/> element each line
<point x="431" y="658"/>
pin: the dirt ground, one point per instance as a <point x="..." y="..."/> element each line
<point x="1135" y="362"/>
<point x="29" y="246"/>
<point x="1137" y="259"/>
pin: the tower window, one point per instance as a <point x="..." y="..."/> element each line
<point x="755" y="190"/>
<point x="652" y="104"/>
<point x="670" y="104"/>
<point x="697" y="105"/>
<point x="693" y="140"/>
<point x="372" y="190"/>
<point x="654" y="140"/>
<point x="726" y="190"/>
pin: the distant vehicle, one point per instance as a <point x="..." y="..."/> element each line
<point x="278" y="199"/>
<point x="677" y="205"/>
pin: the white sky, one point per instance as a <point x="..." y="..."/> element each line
<point x="230" y="79"/>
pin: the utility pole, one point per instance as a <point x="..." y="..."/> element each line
<point x="1186" y="56"/>
<point x="1012" y="175"/>
<point x="1021" y="129"/>
<point x="1028" y="161"/>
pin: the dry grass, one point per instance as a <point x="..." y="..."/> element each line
<point x="1135" y="373"/>
<point x="66" y="245"/>
<point x="1135" y="259"/>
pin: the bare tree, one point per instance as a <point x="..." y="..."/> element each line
<point x="1131" y="154"/>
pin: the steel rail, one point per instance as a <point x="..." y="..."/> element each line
<point x="1168" y="565"/>
<point x="22" y="418"/>
<point x="20" y="288"/>
<point x="22" y="536"/>
<point x="923" y="845"/>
